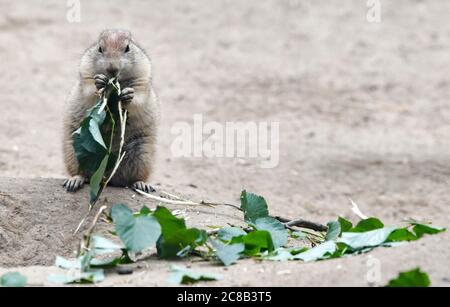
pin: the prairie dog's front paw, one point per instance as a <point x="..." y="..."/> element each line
<point x="127" y="95"/>
<point x="100" y="81"/>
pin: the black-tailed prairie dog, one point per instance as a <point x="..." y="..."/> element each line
<point x="116" y="54"/>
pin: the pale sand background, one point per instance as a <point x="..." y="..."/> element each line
<point x="364" y="113"/>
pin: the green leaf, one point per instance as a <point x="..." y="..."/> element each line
<point x="138" y="233"/>
<point x="276" y="229"/>
<point x="280" y="254"/>
<point x="334" y="231"/>
<point x="13" y="280"/>
<point x="257" y="241"/>
<point x="421" y="229"/>
<point x="111" y="262"/>
<point x="253" y="206"/>
<point x="359" y="240"/>
<point x="228" y="253"/>
<point x="76" y="272"/>
<point x="182" y="275"/>
<point x="322" y="251"/>
<point x="94" y="276"/>
<point x="401" y="235"/>
<point x="102" y="246"/>
<point x="180" y="243"/>
<point x="65" y="264"/>
<point x="414" y="278"/>
<point x="345" y="225"/>
<point x="89" y="146"/>
<point x="145" y="211"/>
<point x="169" y="223"/>
<point x="341" y="250"/>
<point x="228" y="233"/>
<point x="368" y="225"/>
<point x="97" y="178"/>
<point x="176" y="240"/>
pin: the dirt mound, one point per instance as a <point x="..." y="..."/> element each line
<point x="38" y="218"/>
<point x="35" y="223"/>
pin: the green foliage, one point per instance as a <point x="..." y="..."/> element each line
<point x="13" y="280"/>
<point x="182" y="275"/>
<point x="280" y="254"/>
<point x="367" y="235"/>
<point x="170" y="224"/>
<point x="77" y="271"/>
<point x="138" y="233"/>
<point x="277" y="230"/>
<point x="265" y="239"/>
<point x="180" y="243"/>
<point x="90" y="148"/>
<point x="413" y="278"/>
<point x="345" y="225"/>
<point x="401" y="235"/>
<point x="334" y="231"/>
<point x="317" y="253"/>
<point x="372" y="238"/>
<point x="256" y="242"/>
<point x="176" y="239"/>
<point x="268" y="237"/>
<point x="421" y="229"/>
<point x="226" y="234"/>
<point x="93" y="140"/>
<point x="253" y="206"/>
<point x="367" y="225"/>
<point x="90" y="277"/>
<point x="228" y="253"/>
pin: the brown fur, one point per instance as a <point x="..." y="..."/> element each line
<point x="143" y="111"/>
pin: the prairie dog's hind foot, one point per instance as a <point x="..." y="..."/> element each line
<point x="74" y="183"/>
<point x="142" y="186"/>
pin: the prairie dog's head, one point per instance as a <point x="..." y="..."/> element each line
<point x="115" y="54"/>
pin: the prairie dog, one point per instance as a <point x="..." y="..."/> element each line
<point x="116" y="54"/>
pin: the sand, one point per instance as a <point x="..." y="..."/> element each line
<point x="362" y="107"/>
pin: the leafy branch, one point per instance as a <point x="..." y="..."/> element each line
<point x="264" y="238"/>
<point x="94" y="156"/>
<point x="180" y="201"/>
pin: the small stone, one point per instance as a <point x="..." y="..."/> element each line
<point x="125" y="270"/>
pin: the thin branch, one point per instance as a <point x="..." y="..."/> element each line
<point x="86" y="242"/>
<point x="123" y="121"/>
<point x="302" y="224"/>
<point x="287" y="222"/>
<point x="171" y="201"/>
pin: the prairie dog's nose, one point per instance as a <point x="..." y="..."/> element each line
<point x="112" y="70"/>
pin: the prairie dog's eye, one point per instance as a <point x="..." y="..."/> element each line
<point x="100" y="49"/>
<point x="127" y="49"/>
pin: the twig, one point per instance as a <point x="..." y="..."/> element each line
<point x="303" y="224"/>
<point x="83" y="220"/>
<point x="168" y="194"/>
<point x="287" y="222"/>
<point x="172" y="202"/>
<point x="123" y="121"/>
<point x="86" y="242"/>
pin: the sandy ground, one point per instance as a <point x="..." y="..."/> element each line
<point x="363" y="112"/>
